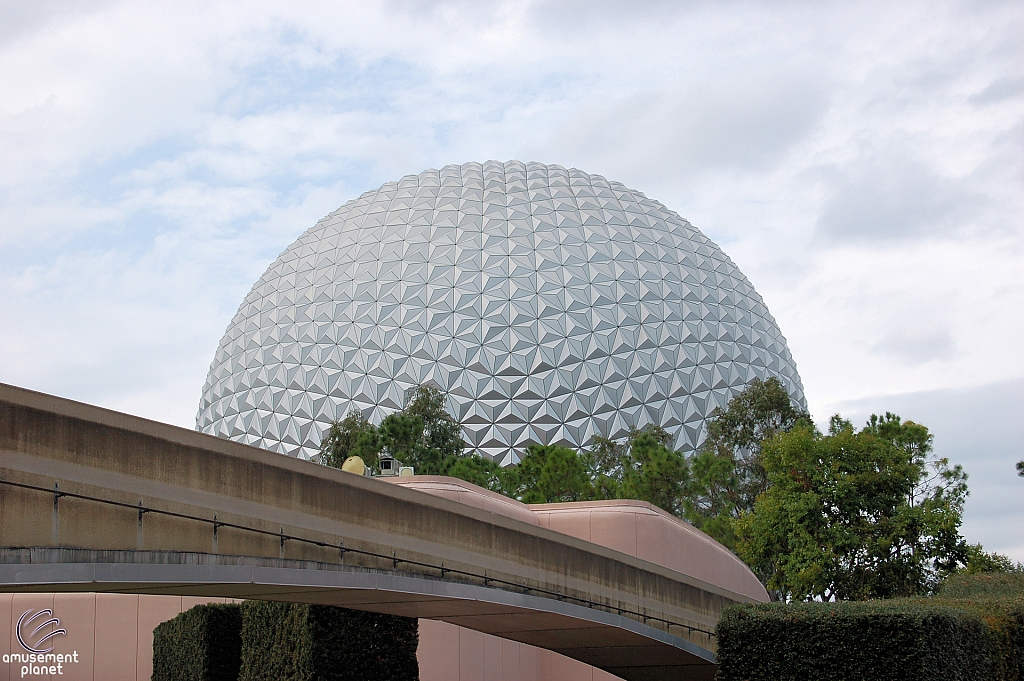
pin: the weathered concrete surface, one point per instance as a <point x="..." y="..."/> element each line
<point x="49" y="443"/>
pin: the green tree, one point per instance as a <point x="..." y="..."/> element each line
<point x="935" y="502"/>
<point x="726" y="476"/>
<point x="440" y="443"/>
<point x="854" y="515"/>
<point x="423" y="435"/>
<point x="1020" y="468"/>
<point x="979" y="561"/>
<point x="711" y="501"/>
<point x="401" y="436"/>
<point x="351" y="436"/>
<point x="548" y="474"/>
<point x="603" y="462"/>
<point x="479" y="471"/>
<point x="653" y="472"/>
<point x="761" y="410"/>
<point x="641" y="466"/>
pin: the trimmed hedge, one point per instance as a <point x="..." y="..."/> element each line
<point x="1004" y="619"/>
<point x="203" y="643"/>
<point x="297" y="642"/>
<point x="974" y="629"/>
<point x="998" y="599"/>
<point x="983" y="586"/>
<point x="878" y="640"/>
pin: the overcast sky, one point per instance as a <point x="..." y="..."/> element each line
<point x="863" y="164"/>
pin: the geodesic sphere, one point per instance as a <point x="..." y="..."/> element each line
<point x="550" y="305"/>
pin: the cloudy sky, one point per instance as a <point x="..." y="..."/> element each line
<point x="862" y="162"/>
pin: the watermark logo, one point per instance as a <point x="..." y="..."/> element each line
<point x="36" y="632"/>
<point x="31" y="640"/>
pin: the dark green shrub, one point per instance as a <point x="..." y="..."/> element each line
<point x="897" y="640"/>
<point x="983" y="586"/>
<point x="999" y="600"/>
<point x="297" y="642"/>
<point x="203" y="643"/>
<point x="1004" y="617"/>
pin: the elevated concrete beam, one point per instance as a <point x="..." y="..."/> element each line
<point x="100" y="484"/>
<point x="612" y="642"/>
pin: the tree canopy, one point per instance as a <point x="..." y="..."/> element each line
<point x="980" y="561"/>
<point x="548" y="474"/>
<point x="351" y="436"/>
<point x="727" y="475"/>
<point x="709" y="490"/>
<point x="854" y="514"/>
<point x="423" y="435"/>
<point x="848" y="514"/>
<point x="653" y="472"/>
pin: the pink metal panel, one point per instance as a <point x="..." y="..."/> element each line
<point x="639" y="529"/>
<point x="152" y="611"/>
<point x="117" y="637"/>
<point x="651" y="545"/>
<point x="492" y="658"/>
<point x="77" y="614"/>
<point x="6" y="633"/>
<point x="575" y="524"/>
<point x="438" y="651"/>
<point x="510" y="670"/>
<point x="555" y="667"/>
<point x="469" y="494"/>
<point x="447" y="494"/>
<point x="679" y="555"/>
<point x="471" y="655"/>
<point x="614" y="528"/>
<point x="529" y="664"/>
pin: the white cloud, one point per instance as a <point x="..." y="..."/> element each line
<point x="913" y="345"/>
<point x="746" y="124"/>
<point x="894" y="197"/>
<point x="852" y="318"/>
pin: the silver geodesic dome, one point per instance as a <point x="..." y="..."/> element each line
<point x="551" y="305"/>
